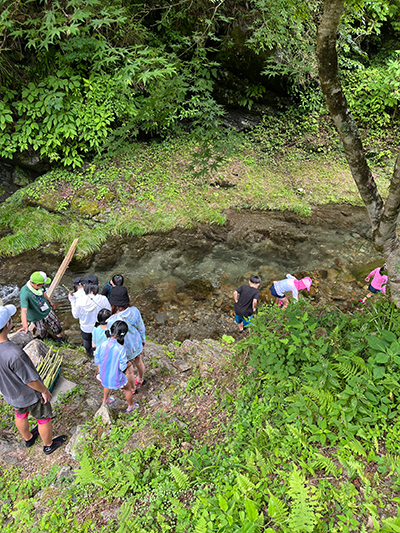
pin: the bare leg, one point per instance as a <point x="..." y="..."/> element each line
<point x="140" y="365"/>
<point x="240" y="326"/>
<point x="46" y="433"/>
<point x="130" y="376"/>
<point x="128" y="394"/>
<point x="106" y="393"/>
<point x="23" y="427"/>
<point x="365" y="297"/>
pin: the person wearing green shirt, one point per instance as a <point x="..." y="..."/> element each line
<point x="37" y="308"/>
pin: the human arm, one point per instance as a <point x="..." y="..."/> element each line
<point x="75" y="308"/>
<point x="38" y="386"/>
<point x="370" y="274"/>
<point x="139" y="325"/>
<point x="24" y="319"/>
<point x="236" y="296"/>
<point x="255" y="301"/>
<point x="384" y="284"/>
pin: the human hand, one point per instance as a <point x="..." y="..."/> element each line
<point x="46" y="396"/>
<point x="25" y="329"/>
<point x="366" y="279"/>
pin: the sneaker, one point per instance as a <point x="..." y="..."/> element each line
<point x="32" y="440"/>
<point x="57" y="442"/>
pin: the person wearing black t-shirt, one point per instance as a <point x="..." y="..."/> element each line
<point x="246" y="298"/>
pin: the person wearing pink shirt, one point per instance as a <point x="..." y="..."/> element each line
<point x="378" y="283"/>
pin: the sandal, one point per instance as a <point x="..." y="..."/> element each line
<point x="131" y="409"/>
<point x="109" y="401"/>
<point x="135" y="391"/>
<point x="140" y="382"/>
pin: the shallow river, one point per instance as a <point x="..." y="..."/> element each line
<point x="183" y="281"/>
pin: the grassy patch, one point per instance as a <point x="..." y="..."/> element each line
<point x="153" y="187"/>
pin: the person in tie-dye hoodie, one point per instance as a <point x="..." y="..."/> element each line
<point x="111" y="359"/>
<point x="378" y="283"/>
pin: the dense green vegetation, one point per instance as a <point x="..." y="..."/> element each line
<point x="310" y="442"/>
<point x="78" y="76"/>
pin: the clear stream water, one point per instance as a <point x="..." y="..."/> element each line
<point x="271" y="244"/>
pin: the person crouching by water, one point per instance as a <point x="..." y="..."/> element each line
<point x="136" y="338"/>
<point x="37" y="308"/>
<point x="290" y="284"/>
<point x="85" y="307"/>
<point x="111" y="359"/>
<point x="378" y="283"/>
<point x="246" y="298"/>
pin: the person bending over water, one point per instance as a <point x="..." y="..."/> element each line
<point x="290" y="284"/>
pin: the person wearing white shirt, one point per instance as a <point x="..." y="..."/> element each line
<point x="85" y="305"/>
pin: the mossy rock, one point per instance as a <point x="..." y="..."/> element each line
<point x="47" y="200"/>
<point x="84" y="203"/>
<point x="199" y="289"/>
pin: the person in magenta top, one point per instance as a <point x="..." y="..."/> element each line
<point x="378" y="283"/>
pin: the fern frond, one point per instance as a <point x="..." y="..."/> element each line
<point x="277" y="510"/>
<point x="302" y="516"/>
<point x="85" y="475"/>
<point x="353" y="467"/>
<point x="321" y="462"/>
<point x="346" y="369"/>
<point x="393" y="462"/>
<point x="244" y="483"/>
<point x="357" y="447"/>
<point x="266" y="466"/>
<point x="322" y="397"/>
<point x="299" y="435"/>
<point x="181" y="479"/>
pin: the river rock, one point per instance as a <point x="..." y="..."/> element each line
<point x="105" y="414"/>
<point x="76" y="443"/>
<point x="199" y="289"/>
<point x="166" y="291"/>
<point x="36" y="350"/>
<point x="20" y="338"/>
<point x="160" y="318"/>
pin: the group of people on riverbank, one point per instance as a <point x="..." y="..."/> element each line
<point x="113" y="331"/>
<point x="246" y="296"/>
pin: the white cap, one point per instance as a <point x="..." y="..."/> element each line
<point x="6" y="312"/>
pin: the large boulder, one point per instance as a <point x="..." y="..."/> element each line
<point x="20" y="338"/>
<point x="36" y="350"/>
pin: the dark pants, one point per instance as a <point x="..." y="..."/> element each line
<point x="87" y="343"/>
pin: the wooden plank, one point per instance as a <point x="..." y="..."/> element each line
<point x="62" y="269"/>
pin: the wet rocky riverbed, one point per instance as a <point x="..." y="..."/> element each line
<point x="183" y="281"/>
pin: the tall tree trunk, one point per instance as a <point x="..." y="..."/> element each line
<point x="383" y="217"/>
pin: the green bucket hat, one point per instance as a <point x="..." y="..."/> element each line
<point x="39" y="277"/>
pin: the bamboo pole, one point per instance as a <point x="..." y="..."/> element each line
<point x="62" y="269"/>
